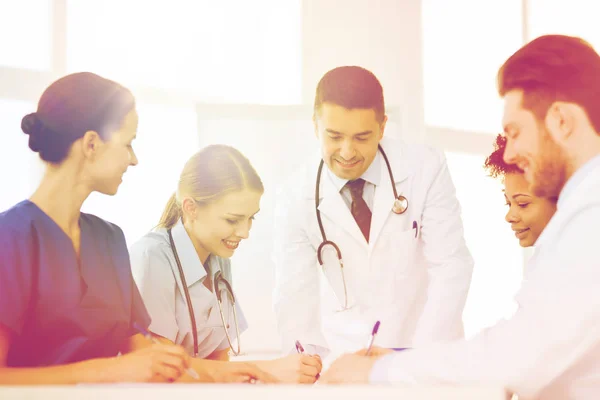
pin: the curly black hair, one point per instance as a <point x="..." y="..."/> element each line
<point x="494" y="163"/>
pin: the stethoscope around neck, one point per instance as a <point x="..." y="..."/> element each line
<point x="217" y="281"/>
<point x="399" y="206"/>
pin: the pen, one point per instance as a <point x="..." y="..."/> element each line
<point x="372" y="337"/>
<point x="191" y="372"/>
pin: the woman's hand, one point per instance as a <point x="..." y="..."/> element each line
<point x="295" y="368"/>
<point x="155" y="363"/>
<point x="237" y="372"/>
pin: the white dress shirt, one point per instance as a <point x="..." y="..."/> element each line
<point x="550" y="348"/>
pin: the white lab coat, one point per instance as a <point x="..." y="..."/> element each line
<point x="416" y="285"/>
<point x="550" y="348"/>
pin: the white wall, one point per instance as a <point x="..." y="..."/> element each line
<point x="379" y="35"/>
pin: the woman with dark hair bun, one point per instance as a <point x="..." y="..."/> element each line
<point x="68" y="302"/>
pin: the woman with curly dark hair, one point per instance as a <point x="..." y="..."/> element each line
<point x="527" y="214"/>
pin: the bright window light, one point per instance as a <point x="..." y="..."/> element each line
<point x="227" y="51"/>
<point x="25" y="29"/>
<point x="21" y="168"/>
<point x="579" y="18"/>
<point x="465" y="42"/>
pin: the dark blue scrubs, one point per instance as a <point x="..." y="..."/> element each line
<point x="61" y="309"/>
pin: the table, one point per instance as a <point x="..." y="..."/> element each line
<point x="247" y="392"/>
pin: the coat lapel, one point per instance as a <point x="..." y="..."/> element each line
<point x="384" y="194"/>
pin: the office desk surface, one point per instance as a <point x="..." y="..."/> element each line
<point x="247" y="392"/>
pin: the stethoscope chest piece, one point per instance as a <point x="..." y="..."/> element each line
<point x="400" y="205"/>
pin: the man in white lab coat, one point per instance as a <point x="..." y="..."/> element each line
<point x="408" y="268"/>
<point x="550" y="348"/>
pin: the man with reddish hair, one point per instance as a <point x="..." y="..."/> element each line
<point x="550" y="348"/>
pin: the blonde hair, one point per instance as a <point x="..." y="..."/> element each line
<point x="208" y="175"/>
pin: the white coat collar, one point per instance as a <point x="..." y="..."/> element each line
<point x="399" y="162"/>
<point x="576" y="179"/>
<point x="332" y="204"/>
<point x="371" y="175"/>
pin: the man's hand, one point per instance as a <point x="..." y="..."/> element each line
<point x="349" y="368"/>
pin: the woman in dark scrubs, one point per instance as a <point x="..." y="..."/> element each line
<point x="68" y="302"/>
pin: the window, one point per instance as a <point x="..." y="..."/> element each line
<point x="167" y="137"/>
<point x="465" y="42"/>
<point x="25" y="29"/>
<point x="577" y="18"/>
<point x="21" y="167"/>
<point x="230" y="51"/>
<point x="393" y="126"/>
<point x="498" y="257"/>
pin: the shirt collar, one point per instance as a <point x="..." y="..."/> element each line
<point x="371" y="175"/>
<point x="190" y="262"/>
<point x="576" y="179"/>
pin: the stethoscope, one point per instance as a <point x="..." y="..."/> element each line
<point x="218" y="282"/>
<point x="399" y="207"/>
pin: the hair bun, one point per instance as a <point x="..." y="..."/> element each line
<point x="31" y="125"/>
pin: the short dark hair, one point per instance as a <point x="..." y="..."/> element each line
<point x="71" y="106"/>
<point x="554" y="68"/>
<point x="351" y="87"/>
<point x="494" y="163"/>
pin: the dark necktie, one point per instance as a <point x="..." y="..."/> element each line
<point x="360" y="210"/>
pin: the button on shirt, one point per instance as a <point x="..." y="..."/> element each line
<point x="157" y="276"/>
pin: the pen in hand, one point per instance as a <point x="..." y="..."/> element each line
<point x="372" y="337"/>
<point x="300" y="350"/>
<point x="191" y="372"/>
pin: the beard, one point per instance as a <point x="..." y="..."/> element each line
<point x="550" y="167"/>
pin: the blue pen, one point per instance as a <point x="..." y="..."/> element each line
<point x="191" y="372"/>
<point x="372" y="337"/>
